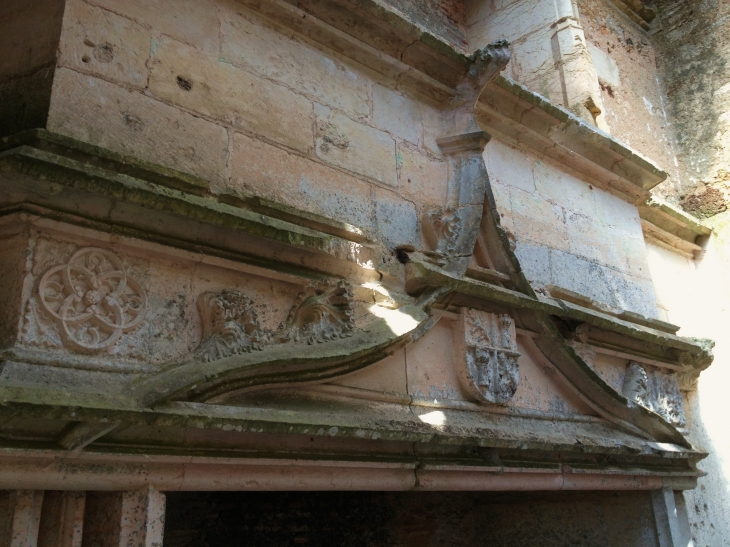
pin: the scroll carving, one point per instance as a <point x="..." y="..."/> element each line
<point x="489" y="364"/>
<point x="324" y="311"/>
<point x="93" y="299"/>
<point x="230" y="325"/>
<point x="655" y="391"/>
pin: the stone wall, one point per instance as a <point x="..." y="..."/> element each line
<point x="694" y="64"/>
<point x="625" y="58"/>
<point x="569" y="233"/>
<point x="694" y="293"/>
<point x="443" y="18"/>
<point x="214" y="91"/>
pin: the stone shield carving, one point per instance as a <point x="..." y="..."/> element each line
<point x="93" y="299"/>
<point x="487" y="355"/>
<point x="655" y="391"/>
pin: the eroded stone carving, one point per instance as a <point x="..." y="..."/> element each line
<point x="656" y="391"/>
<point x="489" y="364"/>
<point x="585" y="352"/>
<point x="93" y="299"/>
<point x="230" y="325"/>
<point x="444" y="227"/>
<point x="324" y="311"/>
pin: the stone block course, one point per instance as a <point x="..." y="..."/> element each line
<point x="104" y="44"/>
<point x="204" y="85"/>
<point x="396" y="114"/>
<point x="194" y="22"/>
<point x="250" y="43"/>
<point x="273" y="173"/>
<point x="421" y="178"/>
<point x="509" y="166"/>
<point x="396" y="220"/>
<point x="356" y="147"/>
<point x="128" y="122"/>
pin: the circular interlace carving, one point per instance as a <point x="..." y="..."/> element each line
<point x="93" y="299"/>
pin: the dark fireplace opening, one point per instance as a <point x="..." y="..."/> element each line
<point x="409" y="519"/>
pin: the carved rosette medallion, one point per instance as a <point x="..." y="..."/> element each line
<point x="488" y="363"/>
<point x="655" y="391"/>
<point x="324" y="311"/>
<point x="230" y="325"/>
<point x="93" y="299"/>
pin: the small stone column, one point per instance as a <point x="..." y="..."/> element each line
<point x="20" y="515"/>
<point x="124" y="519"/>
<point x="62" y="519"/>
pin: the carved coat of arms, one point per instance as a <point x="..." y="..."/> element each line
<point x="487" y="355"/>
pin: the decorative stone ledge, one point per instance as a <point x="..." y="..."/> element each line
<point x="517" y="115"/>
<point x="671" y="228"/>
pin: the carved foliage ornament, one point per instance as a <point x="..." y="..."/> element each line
<point x="489" y="365"/>
<point x="93" y="299"/>
<point x="324" y="311"/>
<point x="655" y="391"/>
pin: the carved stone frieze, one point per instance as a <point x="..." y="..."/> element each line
<point x="92" y="299"/>
<point x="230" y="325"/>
<point x="324" y="311"/>
<point x="655" y="391"/>
<point x="488" y="363"/>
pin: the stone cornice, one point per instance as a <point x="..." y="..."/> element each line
<point x="512" y="112"/>
<point x="668" y="226"/>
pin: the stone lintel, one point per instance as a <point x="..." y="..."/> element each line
<point x="670" y="227"/>
<point x="475" y="140"/>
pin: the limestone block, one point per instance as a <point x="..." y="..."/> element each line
<point x="273" y="173"/>
<point x="97" y="41"/>
<point x="583" y="277"/>
<point x="539" y="220"/>
<point x="62" y="521"/>
<point x="20" y="514"/>
<point x="422" y="178"/>
<point x="594" y="240"/>
<point x="633" y="293"/>
<point x="535" y="262"/>
<point x="101" y="113"/>
<point x="433" y="127"/>
<point x="182" y="75"/>
<point x="503" y="201"/>
<point x="190" y="21"/>
<point x="252" y="44"/>
<point x="512" y="22"/>
<point x="606" y="68"/>
<point x="398" y="115"/>
<point x="430" y="362"/>
<point x="355" y="147"/>
<point x="534" y="66"/>
<point x="565" y="189"/>
<point x="388" y="375"/>
<point x="396" y="220"/>
<point x="509" y="166"/>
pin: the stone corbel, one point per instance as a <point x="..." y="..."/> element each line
<point x="451" y="231"/>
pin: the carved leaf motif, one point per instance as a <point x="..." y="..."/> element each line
<point x="230" y="325"/>
<point x="93" y="299"/>
<point x="324" y="311"/>
<point x="655" y="391"/>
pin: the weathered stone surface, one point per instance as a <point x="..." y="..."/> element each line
<point x="396" y="220"/>
<point x="509" y="166"/>
<point x="355" y="147"/>
<point x="250" y="43"/>
<point x="282" y="176"/>
<point x="398" y="115"/>
<point x="101" y="113"/>
<point x="190" y="21"/>
<point x="202" y="84"/>
<point x="421" y="178"/>
<point x="104" y="44"/>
